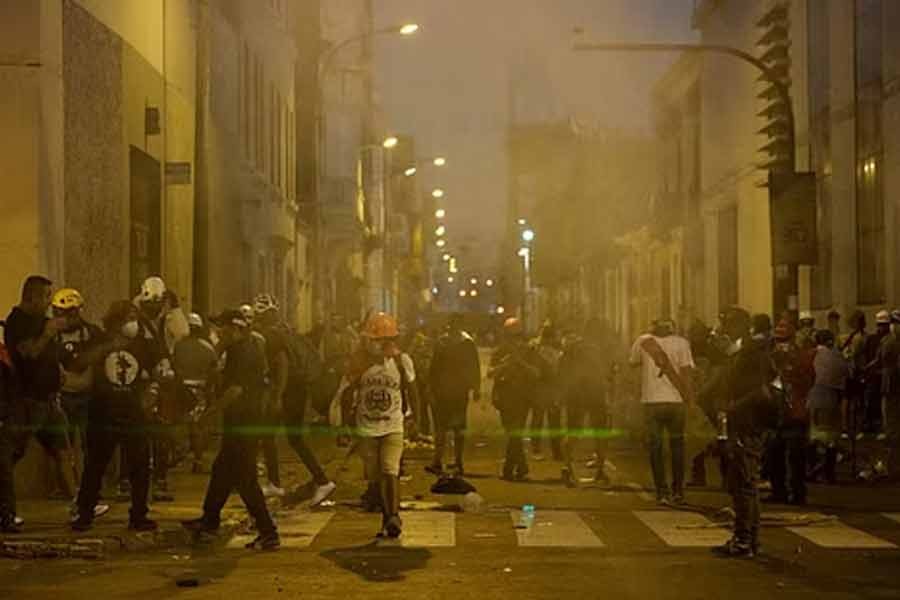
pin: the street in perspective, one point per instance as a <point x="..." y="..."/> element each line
<point x="420" y="299"/>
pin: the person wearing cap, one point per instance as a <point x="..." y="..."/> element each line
<point x="515" y="370"/>
<point x="787" y="450"/>
<point x="195" y="364"/>
<point x="378" y="391"/>
<point x="234" y="469"/>
<point x="288" y="359"/>
<point x="666" y="363"/>
<point x="873" y="375"/>
<point x="806" y="332"/>
<point x="748" y="418"/>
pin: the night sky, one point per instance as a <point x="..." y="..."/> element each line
<point x="448" y="86"/>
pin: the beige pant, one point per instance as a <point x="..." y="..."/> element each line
<point x="381" y="455"/>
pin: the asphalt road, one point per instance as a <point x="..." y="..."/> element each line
<point x="590" y="542"/>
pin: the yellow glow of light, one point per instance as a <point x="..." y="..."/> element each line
<point x="462" y="293"/>
<point x="440" y="161"/>
<point x="438" y="193"/>
<point x="450" y="280"/>
<point x="409" y="29"/>
<point x="500" y="310"/>
<point x="474" y="281"/>
<point x="441" y="243"/>
<point x="410" y="172"/>
<point x="474" y="293"/>
<point x="440" y="213"/>
<point x="390" y="142"/>
<point x="489" y="283"/>
<point x="440" y="231"/>
<point x="446" y="257"/>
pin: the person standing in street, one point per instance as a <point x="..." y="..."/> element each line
<point x="665" y="360"/>
<point x="548" y="348"/>
<point x="195" y="363"/>
<point x="289" y="361"/>
<point x="380" y="380"/>
<point x="789" y="446"/>
<point x="125" y="393"/>
<point x="751" y="412"/>
<point x="831" y="372"/>
<point x="455" y="378"/>
<point x="243" y="385"/>
<point x="872" y="418"/>
<point x="584" y="375"/>
<point x="515" y="371"/>
<point x="31" y="339"/>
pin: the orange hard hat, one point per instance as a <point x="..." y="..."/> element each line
<point x="512" y="325"/>
<point x="380" y="326"/>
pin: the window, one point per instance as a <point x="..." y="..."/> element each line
<point x="728" y="257"/>
<point x="869" y="147"/>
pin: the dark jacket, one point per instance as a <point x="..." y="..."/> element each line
<point x="455" y="368"/>
<point x="751" y="409"/>
<point x="515" y="370"/>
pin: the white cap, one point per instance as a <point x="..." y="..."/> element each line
<point x="195" y="320"/>
<point x="883" y="317"/>
<point x="807" y="316"/>
<point x="152" y="289"/>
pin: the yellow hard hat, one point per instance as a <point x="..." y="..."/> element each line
<point x="67" y="299"/>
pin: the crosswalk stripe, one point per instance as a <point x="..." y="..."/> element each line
<point x="296" y="530"/>
<point x="892" y="516"/>
<point x="834" y="534"/>
<point x="683" y="529"/>
<point x="556" y="528"/>
<point x="428" y="529"/>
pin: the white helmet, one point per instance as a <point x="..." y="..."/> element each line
<point x="195" y="320"/>
<point x="264" y="303"/>
<point x="246" y="311"/>
<point x="883" y="317"/>
<point x="806" y="316"/>
<point x="152" y="289"/>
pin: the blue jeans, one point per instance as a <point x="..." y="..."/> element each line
<point x="661" y="418"/>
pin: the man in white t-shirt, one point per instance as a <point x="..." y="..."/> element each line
<point x="665" y="361"/>
<point x="379" y="379"/>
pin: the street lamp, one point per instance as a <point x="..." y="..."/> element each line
<point x="438" y="193"/>
<point x="489" y="283"/>
<point x="408" y="28"/>
<point x="440" y="231"/>
<point x="446" y="257"/>
<point x="390" y="142"/>
<point x="501" y="310"/>
<point x="441" y="243"/>
<point x="440" y="161"/>
<point x="440" y="213"/>
<point x="451" y="279"/>
<point x="522" y="222"/>
<point x="473" y="293"/>
<point x="474" y="281"/>
<point x="528" y="235"/>
<point x="410" y="172"/>
<point x="462" y="293"/>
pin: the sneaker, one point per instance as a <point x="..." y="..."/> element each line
<point x="200" y="525"/>
<point x="270" y="490"/>
<point x="734" y="549"/>
<point x="82" y="524"/>
<point x="143" y="524"/>
<point x="322" y="493"/>
<point x="269" y="541"/>
<point x="99" y="511"/>
<point x="394" y="527"/>
<point x="11" y="524"/>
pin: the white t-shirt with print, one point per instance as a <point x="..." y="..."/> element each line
<point x="379" y="410"/>
<point x="656" y="389"/>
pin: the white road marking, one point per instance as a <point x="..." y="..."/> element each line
<point x="556" y="528"/>
<point x="683" y="529"/>
<point x="642" y="493"/>
<point x="296" y="530"/>
<point x="834" y="534"/>
<point x="428" y="529"/>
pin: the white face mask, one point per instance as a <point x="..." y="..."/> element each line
<point x="130" y="329"/>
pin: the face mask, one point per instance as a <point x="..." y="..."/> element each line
<point x="130" y="329"/>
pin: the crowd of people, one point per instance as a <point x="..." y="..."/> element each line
<point x="787" y="402"/>
<point x="149" y="386"/>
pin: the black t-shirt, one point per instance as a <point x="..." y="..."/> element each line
<point x="72" y="344"/>
<point x="244" y="367"/>
<point x="39" y="377"/>
<point x="120" y="377"/>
